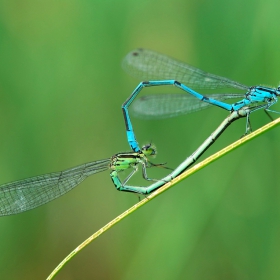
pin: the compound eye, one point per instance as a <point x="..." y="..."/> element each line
<point x="149" y="150"/>
<point x="146" y="147"/>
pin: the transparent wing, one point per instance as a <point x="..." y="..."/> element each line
<point x="150" y="65"/>
<point x="163" y="106"/>
<point x="23" y="195"/>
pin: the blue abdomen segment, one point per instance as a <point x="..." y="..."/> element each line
<point x="129" y="128"/>
<point x="240" y="104"/>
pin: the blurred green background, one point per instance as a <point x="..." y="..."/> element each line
<point x="61" y="89"/>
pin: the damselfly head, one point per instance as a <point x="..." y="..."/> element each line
<point x="278" y="91"/>
<point x="149" y="150"/>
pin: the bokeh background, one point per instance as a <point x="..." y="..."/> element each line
<point x="61" y="90"/>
